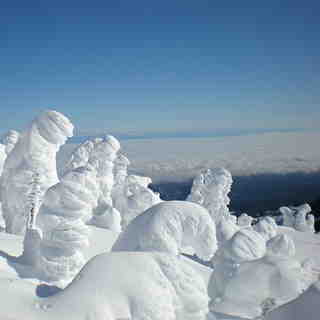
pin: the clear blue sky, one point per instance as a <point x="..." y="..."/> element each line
<point x="161" y="65"/>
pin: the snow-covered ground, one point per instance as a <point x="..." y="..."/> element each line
<point x="64" y="252"/>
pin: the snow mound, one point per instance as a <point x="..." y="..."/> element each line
<point x="170" y="227"/>
<point x="156" y="286"/>
<point x="34" y="152"/>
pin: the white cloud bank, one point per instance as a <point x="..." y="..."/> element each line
<point x="180" y="159"/>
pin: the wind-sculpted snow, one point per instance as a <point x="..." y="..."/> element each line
<point x="256" y="277"/>
<point x="100" y="153"/>
<point x="122" y="196"/>
<point x="35" y="151"/>
<point x="6" y="146"/>
<point x="210" y="189"/>
<point x="267" y="227"/>
<point x="10" y="139"/>
<point x="170" y="227"/>
<point x="298" y="217"/>
<point x="244" y="220"/>
<point x="61" y="219"/>
<point x="132" y="197"/>
<point x="3" y="157"/>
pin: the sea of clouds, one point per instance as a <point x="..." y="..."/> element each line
<point x="269" y="169"/>
<point x="179" y="159"/>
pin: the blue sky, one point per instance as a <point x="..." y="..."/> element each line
<point x="161" y="66"/>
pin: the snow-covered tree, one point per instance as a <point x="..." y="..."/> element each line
<point x="61" y="219"/>
<point x="35" y="151"/>
<point x="210" y="189"/>
<point x="246" y="288"/>
<point x="244" y="220"/>
<point x="100" y="153"/>
<point x="267" y="227"/>
<point x="132" y="197"/>
<point x="298" y="217"/>
<point x="171" y="226"/>
<point x="10" y="139"/>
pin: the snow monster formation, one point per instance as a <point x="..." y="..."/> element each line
<point x="100" y="153"/>
<point x="171" y="227"/>
<point x="210" y="189"/>
<point x="61" y="219"/>
<point x="35" y="151"/>
<point x="253" y="276"/>
<point x="6" y="146"/>
<point x="298" y="218"/>
<point x="10" y="139"/>
<point x="131" y="195"/>
<point x="122" y="196"/>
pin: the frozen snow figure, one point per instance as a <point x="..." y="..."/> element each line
<point x="303" y="220"/>
<point x="35" y="151"/>
<point x="244" y="221"/>
<point x="100" y="153"/>
<point x="298" y="217"/>
<point x="131" y="195"/>
<point x="210" y="189"/>
<point x="267" y="227"/>
<point x="7" y="144"/>
<point x="3" y="157"/>
<point x="61" y="219"/>
<point x="101" y="158"/>
<point x="170" y="227"/>
<point x="10" y="139"/>
<point x="254" y="287"/>
<point x="33" y="235"/>
<point x="120" y="170"/>
<point x="287" y="216"/>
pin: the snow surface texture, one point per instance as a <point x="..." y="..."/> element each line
<point x="61" y="219"/>
<point x="298" y="218"/>
<point x="35" y="151"/>
<point x="253" y="276"/>
<point x="170" y="227"/>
